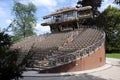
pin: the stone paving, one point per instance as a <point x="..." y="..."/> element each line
<point x="111" y="73"/>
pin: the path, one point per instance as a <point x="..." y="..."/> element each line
<point x="110" y="73"/>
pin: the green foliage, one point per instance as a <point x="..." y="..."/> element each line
<point x="109" y="20"/>
<point x="10" y="65"/>
<point x="8" y="58"/>
<point x="113" y="55"/>
<point x="117" y="2"/>
<point x="94" y="3"/>
<point x="24" y="20"/>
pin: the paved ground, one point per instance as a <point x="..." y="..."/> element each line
<point x="111" y="73"/>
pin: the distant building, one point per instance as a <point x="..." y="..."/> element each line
<point x="70" y="17"/>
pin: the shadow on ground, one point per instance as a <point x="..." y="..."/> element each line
<point x="73" y="77"/>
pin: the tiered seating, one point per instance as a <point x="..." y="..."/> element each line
<point x="53" y="40"/>
<point x="86" y="42"/>
<point x="87" y="38"/>
<point x="50" y="46"/>
<point x="55" y="47"/>
<point x="26" y="44"/>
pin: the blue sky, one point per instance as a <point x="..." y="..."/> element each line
<point x="44" y="7"/>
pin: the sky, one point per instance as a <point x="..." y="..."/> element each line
<point x="44" y="7"/>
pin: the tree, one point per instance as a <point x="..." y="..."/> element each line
<point x="8" y="69"/>
<point x="94" y="3"/>
<point x="117" y="2"/>
<point x="109" y="21"/>
<point x="10" y="66"/>
<point x="24" y="20"/>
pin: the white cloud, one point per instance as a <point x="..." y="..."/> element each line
<point x="49" y="4"/>
<point x="41" y="29"/>
<point x="8" y="21"/>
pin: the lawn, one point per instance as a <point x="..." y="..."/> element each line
<point x="113" y="55"/>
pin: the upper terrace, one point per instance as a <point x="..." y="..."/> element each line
<point x="69" y="14"/>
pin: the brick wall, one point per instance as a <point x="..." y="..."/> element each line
<point x="93" y="60"/>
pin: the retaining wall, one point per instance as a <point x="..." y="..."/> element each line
<point x="91" y="61"/>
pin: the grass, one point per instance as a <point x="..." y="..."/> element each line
<point x="113" y="55"/>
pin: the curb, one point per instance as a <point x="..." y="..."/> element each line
<point x="36" y="74"/>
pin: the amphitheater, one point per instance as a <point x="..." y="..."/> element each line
<point x="67" y="51"/>
<point x="71" y="46"/>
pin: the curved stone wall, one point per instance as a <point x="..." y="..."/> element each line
<point x="93" y="60"/>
